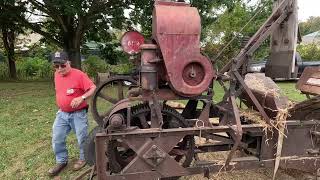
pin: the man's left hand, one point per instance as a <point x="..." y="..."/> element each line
<point x="76" y="102"/>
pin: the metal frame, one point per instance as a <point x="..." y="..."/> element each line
<point x="152" y="146"/>
<point x="144" y="141"/>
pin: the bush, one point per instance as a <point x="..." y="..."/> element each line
<point x="40" y="51"/>
<point x="309" y="52"/>
<point x="34" y="68"/>
<point x="121" y="68"/>
<point x="4" y="71"/>
<point x="40" y="69"/>
<point x="94" y="65"/>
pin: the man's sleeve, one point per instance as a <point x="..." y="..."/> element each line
<point x="86" y="82"/>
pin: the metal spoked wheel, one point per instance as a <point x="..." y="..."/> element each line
<point x="108" y="93"/>
<point x="120" y="155"/>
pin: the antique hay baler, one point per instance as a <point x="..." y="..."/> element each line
<point x="140" y="136"/>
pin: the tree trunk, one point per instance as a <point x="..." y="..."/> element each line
<point x="8" y="38"/>
<point x="72" y="47"/>
<point x="74" y="57"/>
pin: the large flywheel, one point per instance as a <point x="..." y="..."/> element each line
<point x="109" y="93"/>
<point x="120" y="155"/>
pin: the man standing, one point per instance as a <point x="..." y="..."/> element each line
<point x="72" y="87"/>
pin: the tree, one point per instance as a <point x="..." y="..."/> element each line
<point x="141" y="12"/>
<point x="9" y="28"/>
<point x="310" y="26"/>
<point x="65" y="22"/>
<point x="229" y="25"/>
<point x="68" y="22"/>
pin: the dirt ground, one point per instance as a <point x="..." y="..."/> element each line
<point x="256" y="174"/>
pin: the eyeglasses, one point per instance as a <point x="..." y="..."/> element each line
<point x="56" y="66"/>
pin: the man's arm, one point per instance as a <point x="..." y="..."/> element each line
<point x="78" y="100"/>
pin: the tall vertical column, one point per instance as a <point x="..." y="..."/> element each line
<point x="281" y="63"/>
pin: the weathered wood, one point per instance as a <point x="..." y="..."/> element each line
<point x="281" y="63"/>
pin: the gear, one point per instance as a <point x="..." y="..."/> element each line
<point x="119" y="156"/>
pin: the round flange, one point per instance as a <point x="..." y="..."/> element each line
<point x="131" y="42"/>
<point x="193" y="73"/>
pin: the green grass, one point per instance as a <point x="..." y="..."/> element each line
<point x="27" y="112"/>
<point x="289" y="89"/>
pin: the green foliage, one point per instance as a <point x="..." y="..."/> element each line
<point x="309" y="52"/>
<point x="9" y="28"/>
<point x="94" y="65"/>
<point x="43" y="52"/>
<point x="9" y="13"/>
<point x="228" y="25"/>
<point x="122" y="68"/>
<point x="34" y="68"/>
<point x="310" y="26"/>
<point x="112" y="55"/>
<point x="38" y="68"/>
<point x="4" y="71"/>
<point x="72" y="22"/>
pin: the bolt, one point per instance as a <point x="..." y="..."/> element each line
<point x="154" y="147"/>
<point x="192" y="75"/>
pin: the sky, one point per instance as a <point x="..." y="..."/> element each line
<point x="308" y="8"/>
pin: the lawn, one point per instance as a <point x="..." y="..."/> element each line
<point x="27" y="112"/>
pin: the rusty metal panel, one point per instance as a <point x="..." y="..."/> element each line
<point x="309" y="81"/>
<point x="296" y="144"/>
<point x="177" y="30"/>
<point x="306" y="110"/>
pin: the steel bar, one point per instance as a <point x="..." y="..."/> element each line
<point x="252" y="97"/>
<point x="155" y="132"/>
<point x="101" y="161"/>
<point x="237" y="130"/>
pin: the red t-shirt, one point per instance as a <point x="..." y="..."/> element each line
<point x="70" y="86"/>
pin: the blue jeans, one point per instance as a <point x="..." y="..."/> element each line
<point x="63" y="124"/>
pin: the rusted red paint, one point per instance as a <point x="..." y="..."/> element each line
<point x="175" y="59"/>
<point x="131" y="42"/>
<point x="177" y="30"/>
